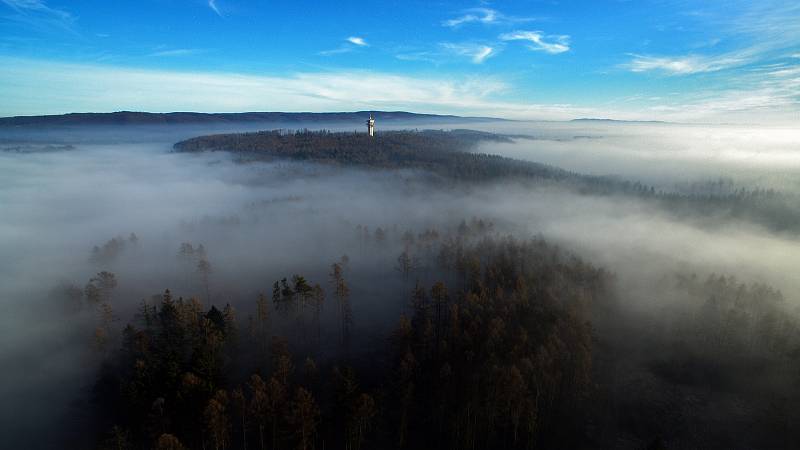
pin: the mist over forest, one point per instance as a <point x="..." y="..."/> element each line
<point x="609" y="285"/>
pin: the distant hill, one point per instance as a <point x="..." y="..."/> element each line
<point x="146" y="118"/>
<point x="445" y="153"/>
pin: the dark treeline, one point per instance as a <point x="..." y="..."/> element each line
<point x="720" y="371"/>
<point x="502" y="343"/>
<point x="441" y="152"/>
<point x="496" y="353"/>
<point x="447" y="154"/>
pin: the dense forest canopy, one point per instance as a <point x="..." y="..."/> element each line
<point x="498" y="343"/>
<point x="442" y="152"/>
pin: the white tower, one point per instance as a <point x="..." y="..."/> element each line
<point x="371" y="126"/>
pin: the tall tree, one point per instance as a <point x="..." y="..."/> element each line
<point x="204" y="269"/>
<point x="217" y="422"/>
<point x="342" y="293"/>
<point x="303" y="416"/>
<point x="168" y="442"/>
<point x="100" y="288"/>
<point x="241" y="404"/>
<point x="260" y="406"/>
<point x="361" y="416"/>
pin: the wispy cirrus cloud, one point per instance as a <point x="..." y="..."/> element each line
<point x="350" y="44"/>
<point x="476" y="52"/>
<point x="426" y="56"/>
<point x="486" y="16"/>
<point x="766" y="93"/>
<point x="213" y="5"/>
<point x="62" y="87"/>
<point x="177" y="52"/>
<point x="763" y="31"/>
<point x="359" y="41"/>
<point x="37" y="6"/>
<point x="44" y="87"/>
<point x="684" y="65"/>
<point x="36" y="14"/>
<point x="538" y="41"/>
<point x="335" y="51"/>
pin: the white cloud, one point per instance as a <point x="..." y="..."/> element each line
<point x="684" y="65"/>
<point x="355" y="40"/>
<point x="427" y="56"/>
<point x="482" y="53"/>
<point x="477" y="53"/>
<point x="34" y="5"/>
<point x="486" y="16"/>
<point x="213" y="5"/>
<point x="769" y="96"/>
<point x="350" y="44"/>
<point x="30" y="87"/>
<point x="40" y="87"/>
<point x="177" y="52"/>
<point x="482" y="15"/>
<point x="767" y="29"/>
<point x="538" y="42"/>
<point x="36" y="14"/>
<point x="336" y="51"/>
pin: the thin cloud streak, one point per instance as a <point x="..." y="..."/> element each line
<point x="177" y="52"/>
<point x="537" y="41"/>
<point x="350" y="44"/>
<point x="37" y="15"/>
<point x="335" y="51"/>
<point x="485" y="16"/>
<point x="36" y="5"/>
<point x="61" y="88"/>
<point x="213" y="5"/>
<point x="30" y="87"/>
<point x="477" y="53"/>
<point x="684" y="65"/>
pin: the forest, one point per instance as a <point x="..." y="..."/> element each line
<point x="456" y="157"/>
<point x="324" y="290"/>
<point x="395" y="225"/>
<point x="499" y="343"/>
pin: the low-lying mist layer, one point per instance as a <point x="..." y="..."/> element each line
<point x="669" y="156"/>
<point x="140" y="204"/>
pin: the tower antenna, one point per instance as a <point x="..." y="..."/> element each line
<point x="371" y="126"/>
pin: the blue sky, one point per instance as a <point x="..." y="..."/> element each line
<point x="684" y="60"/>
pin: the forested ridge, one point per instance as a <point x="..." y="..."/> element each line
<point x="450" y="155"/>
<point x="441" y="152"/>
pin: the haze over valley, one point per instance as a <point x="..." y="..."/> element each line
<point x="459" y="225"/>
<point x="261" y="220"/>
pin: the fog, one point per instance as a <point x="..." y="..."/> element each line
<point x="63" y="191"/>
<point x="670" y="156"/>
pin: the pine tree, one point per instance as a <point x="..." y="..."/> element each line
<point x="342" y="292"/>
<point x="168" y="442"/>
<point x="241" y="404"/>
<point x="260" y="406"/>
<point x="204" y="269"/>
<point x="303" y="416"/>
<point x="217" y="422"/>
